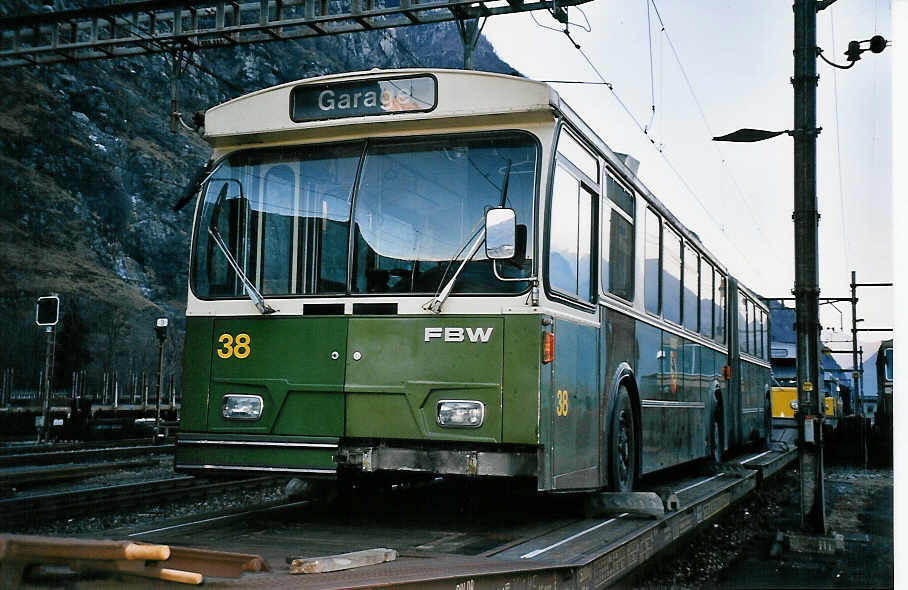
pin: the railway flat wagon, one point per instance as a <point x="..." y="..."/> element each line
<point x="449" y="272"/>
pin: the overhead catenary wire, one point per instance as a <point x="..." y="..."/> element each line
<point x="690" y="190"/>
<point x="659" y="148"/>
<point x="838" y="147"/>
<point x="652" y="79"/>
<point x="703" y="117"/>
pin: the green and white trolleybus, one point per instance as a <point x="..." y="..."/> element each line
<point x="449" y="272"/>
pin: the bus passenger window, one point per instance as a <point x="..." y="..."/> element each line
<point x="720" y="309"/>
<point x="743" y="341"/>
<point x="578" y="155"/>
<point x="671" y="275"/>
<point x="618" y="252"/>
<point x="706" y="298"/>
<point x="755" y="330"/>
<point x="651" y="266"/>
<point x="618" y="257"/>
<point x="570" y="263"/>
<point x="691" y="288"/>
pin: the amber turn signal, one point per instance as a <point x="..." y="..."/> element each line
<point x="548" y="347"/>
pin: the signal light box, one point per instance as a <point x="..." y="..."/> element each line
<point x="47" y="311"/>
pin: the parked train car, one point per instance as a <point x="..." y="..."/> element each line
<point x="883" y="419"/>
<point x="450" y="273"/>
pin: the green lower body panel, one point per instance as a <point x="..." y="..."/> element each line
<point x="205" y="453"/>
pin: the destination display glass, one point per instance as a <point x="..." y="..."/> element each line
<point x="362" y="98"/>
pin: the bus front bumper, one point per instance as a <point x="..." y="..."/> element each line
<point x="521" y="463"/>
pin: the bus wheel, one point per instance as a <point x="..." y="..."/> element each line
<point x="622" y="463"/>
<point x="715" y="438"/>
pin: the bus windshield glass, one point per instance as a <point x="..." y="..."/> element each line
<point x="285" y="216"/>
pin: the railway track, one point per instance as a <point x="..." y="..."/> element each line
<point x="76" y="453"/>
<point x="101" y="499"/>
<point x="10" y="448"/>
<point x="21" y="477"/>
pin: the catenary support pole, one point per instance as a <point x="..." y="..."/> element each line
<point x="859" y="410"/>
<point x="806" y="288"/>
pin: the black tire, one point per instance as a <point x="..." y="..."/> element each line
<point x="622" y="463"/>
<point x="715" y="437"/>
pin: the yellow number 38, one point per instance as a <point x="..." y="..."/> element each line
<point x="562" y="408"/>
<point x="239" y="348"/>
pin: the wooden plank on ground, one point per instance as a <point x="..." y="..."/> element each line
<point x="214" y="563"/>
<point x="344" y="561"/>
<point x="33" y="547"/>
<point x="138" y="568"/>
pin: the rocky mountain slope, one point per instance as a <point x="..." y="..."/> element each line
<point x="89" y="172"/>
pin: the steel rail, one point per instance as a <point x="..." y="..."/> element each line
<point x="18" y="477"/>
<point x="32" y="448"/>
<point x="106" y="498"/>
<point x="74" y="456"/>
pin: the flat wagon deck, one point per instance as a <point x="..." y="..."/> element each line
<point x="448" y="538"/>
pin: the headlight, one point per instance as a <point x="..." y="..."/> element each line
<point x="242" y="407"/>
<point x="793" y="404"/>
<point x="460" y="414"/>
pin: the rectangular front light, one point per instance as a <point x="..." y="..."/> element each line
<point x="242" y="407"/>
<point x="460" y="414"/>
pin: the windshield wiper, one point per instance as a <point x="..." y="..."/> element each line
<point x="435" y="304"/>
<point x="251" y="291"/>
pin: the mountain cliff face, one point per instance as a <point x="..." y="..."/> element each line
<point x="89" y="172"/>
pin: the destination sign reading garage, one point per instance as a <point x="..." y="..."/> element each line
<point x="314" y="102"/>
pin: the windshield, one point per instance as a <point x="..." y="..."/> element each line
<point x="285" y="215"/>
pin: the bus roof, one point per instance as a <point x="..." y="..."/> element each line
<point x="459" y="93"/>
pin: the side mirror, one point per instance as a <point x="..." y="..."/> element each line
<point x="501" y="233"/>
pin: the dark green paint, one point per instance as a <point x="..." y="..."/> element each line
<point x="392" y="392"/>
<point x="520" y="387"/>
<point x="197" y="353"/>
<point x="290" y="366"/>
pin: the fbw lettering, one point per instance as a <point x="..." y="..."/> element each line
<point x="458" y="334"/>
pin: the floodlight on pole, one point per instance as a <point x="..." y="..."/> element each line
<point x="751" y="135"/>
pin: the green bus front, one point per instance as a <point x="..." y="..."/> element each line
<point x="348" y="242"/>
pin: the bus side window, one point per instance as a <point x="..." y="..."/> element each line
<point x="671" y="275"/>
<point x="707" y="295"/>
<point x="720" y="309"/>
<point x="617" y="267"/>
<point x="764" y="349"/>
<point x="755" y="331"/>
<point x="571" y="237"/>
<point x="652" y="269"/>
<point x="691" y="288"/>
<point x="743" y="317"/>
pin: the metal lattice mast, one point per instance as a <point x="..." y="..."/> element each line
<point x="167" y="26"/>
